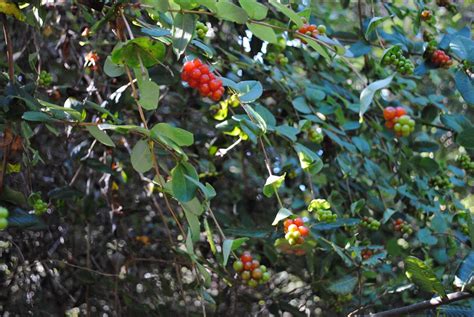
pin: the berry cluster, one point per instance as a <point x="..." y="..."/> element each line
<point x="198" y="75"/>
<point x="440" y="59"/>
<point x="399" y="121"/>
<point x="277" y="58"/>
<point x="366" y="254"/>
<point x="315" y="134"/>
<point x="465" y="162"/>
<point x="40" y="207"/>
<point x="394" y="57"/>
<point x="92" y="61"/>
<point x="250" y="270"/>
<point x="295" y="231"/>
<point x="45" y="79"/>
<point x="311" y="30"/>
<point x="402" y="226"/>
<point x="201" y="30"/>
<point x="370" y="223"/>
<point x="441" y="182"/>
<point x="322" y="209"/>
<point x="3" y="218"/>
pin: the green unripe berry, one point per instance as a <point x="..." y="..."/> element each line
<point x="3" y="223"/>
<point x="245" y="275"/>
<point x="397" y="127"/>
<point x="322" y="29"/>
<point x="291" y="241"/>
<point x="266" y="276"/>
<point x="253" y="283"/>
<point x="263" y="268"/>
<point x="405" y="128"/>
<point x="238" y="266"/>
<point x="3" y="212"/>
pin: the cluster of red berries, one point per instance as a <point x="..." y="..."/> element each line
<point x="311" y="30"/>
<point x="440" y="59"/>
<point x="402" y="226"/>
<point x="366" y="254"/>
<point x="198" y="75"/>
<point x="250" y="270"/>
<point x="398" y="120"/>
<point x="92" y="61"/>
<point x="295" y="231"/>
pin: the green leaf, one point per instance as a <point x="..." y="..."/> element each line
<point x="228" y="11"/>
<point x="288" y="12"/>
<point x="368" y="93"/>
<point x="299" y="103"/>
<point x="249" y="90"/>
<point x="420" y="274"/>
<point x="210" y="239"/>
<point x="37" y="116"/>
<point x="230" y="245"/>
<point x="194" y="224"/>
<point x="318" y="48"/>
<point x="21" y="219"/>
<point x="344" y="285"/>
<point x="9" y="8"/>
<point x="272" y="184"/>
<point x="149" y="51"/>
<point x="179" y="136"/>
<point x="283" y="213"/>
<point x="100" y="135"/>
<point x="465" y="272"/>
<point x="141" y="157"/>
<point x="182" y="32"/>
<point x="263" y="32"/>
<point x="374" y="22"/>
<point x="309" y="160"/>
<point x="287" y="131"/>
<point x="466" y="138"/>
<point x="183" y="189"/>
<point x="111" y="69"/>
<point x="425" y="237"/>
<point x="465" y="86"/>
<point x="357" y="206"/>
<point x="149" y="92"/>
<point x="255" y="10"/>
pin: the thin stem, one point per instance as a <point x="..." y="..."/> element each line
<point x="221" y="232"/>
<point x="8" y="42"/>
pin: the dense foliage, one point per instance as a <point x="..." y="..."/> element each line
<point x="235" y="157"/>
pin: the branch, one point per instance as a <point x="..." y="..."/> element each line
<point x="8" y="42"/>
<point x="427" y="304"/>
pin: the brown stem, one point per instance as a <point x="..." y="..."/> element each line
<point x="8" y="42"/>
<point x="424" y="305"/>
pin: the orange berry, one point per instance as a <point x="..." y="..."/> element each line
<point x="389" y="124"/>
<point x="389" y="113"/>
<point x="298" y="221"/>
<point x="400" y="111"/>
<point x="303" y="230"/>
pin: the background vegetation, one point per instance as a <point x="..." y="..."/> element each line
<point x="130" y="194"/>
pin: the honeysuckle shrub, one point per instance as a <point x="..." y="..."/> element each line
<point x="131" y="188"/>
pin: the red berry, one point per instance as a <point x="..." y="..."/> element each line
<point x="246" y="257"/>
<point x="221" y="89"/>
<point x="196" y="74"/>
<point x="300" y="252"/>
<point x="216" y="95"/>
<point x="193" y="83"/>
<point x="389" y="124"/>
<point x="197" y="62"/>
<point x="298" y="222"/>
<point x="255" y="264"/>
<point x="389" y="113"/>
<point x="204" y="89"/>
<point x="204" y="78"/>
<point x="311" y="28"/>
<point x="188" y="67"/>
<point x="400" y="111"/>
<point x="204" y="69"/>
<point x="185" y="76"/>
<point x="303" y="230"/>
<point x="215" y="84"/>
<point x="288" y="222"/>
<point x="248" y="266"/>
